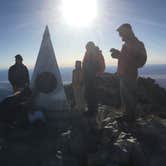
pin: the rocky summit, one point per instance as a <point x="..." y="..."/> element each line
<point x="70" y="138"/>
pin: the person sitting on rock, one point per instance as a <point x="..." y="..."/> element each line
<point x="14" y="108"/>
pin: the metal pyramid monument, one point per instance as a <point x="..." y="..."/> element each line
<point x="46" y="80"/>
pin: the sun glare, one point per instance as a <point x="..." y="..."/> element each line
<point x="79" y="13"/>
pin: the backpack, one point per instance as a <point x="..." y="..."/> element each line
<point x="141" y="55"/>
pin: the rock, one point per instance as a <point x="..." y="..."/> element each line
<point x="74" y="139"/>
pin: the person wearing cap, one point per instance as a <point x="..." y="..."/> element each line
<point x="91" y="68"/>
<point x="18" y="74"/>
<point x="131" y="57"/>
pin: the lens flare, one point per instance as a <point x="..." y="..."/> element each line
<point x="79" y="12"/>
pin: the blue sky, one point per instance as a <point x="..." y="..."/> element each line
<point x="23" y="23"/>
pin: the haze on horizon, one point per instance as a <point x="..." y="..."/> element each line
<point x="23" y="23"/>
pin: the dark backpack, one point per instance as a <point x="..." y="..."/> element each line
<point x="141" y="56"/>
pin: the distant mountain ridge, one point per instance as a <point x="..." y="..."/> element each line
<point x="66" y="72"/>
<point x="157" y="72"/>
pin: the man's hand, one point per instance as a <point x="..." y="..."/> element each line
<point x="115" y="53"/>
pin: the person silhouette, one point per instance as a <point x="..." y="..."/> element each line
<point x="130" y="58"/>
<point x="93" y="65"/>
<point x="18" y="74"/>
<point x="78" y="87"/>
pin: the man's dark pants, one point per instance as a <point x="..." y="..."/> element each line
<point x="128" y="97"/>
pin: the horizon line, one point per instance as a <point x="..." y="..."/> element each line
<point x="62" y="67"/>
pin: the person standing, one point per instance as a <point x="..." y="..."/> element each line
<point x="18" y="74"/>
<point x="131" y="57"/>
<point x="91" y="68"/>
<point x="78" y="87"/>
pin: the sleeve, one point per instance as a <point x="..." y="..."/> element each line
<point x="27" y="75"/>
<point x="73" y="78"/>
<point x="84" y="61"/>
<point x="10" y="75"/>
<point x="128" y="55"/>
<point x="82" y="77"/>
<point x="102" y="63"/>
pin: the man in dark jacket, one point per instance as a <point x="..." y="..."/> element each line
<point x="130" y="58"/>
<point x="18" y="74"/>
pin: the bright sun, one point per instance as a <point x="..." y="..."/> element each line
<point x="79" y="13"/>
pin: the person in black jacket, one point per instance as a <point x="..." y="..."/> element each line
<point x="18" y="74"/>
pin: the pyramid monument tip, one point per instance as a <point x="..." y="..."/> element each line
<point x="46" y="32"/>
<point x="46" y="27"/>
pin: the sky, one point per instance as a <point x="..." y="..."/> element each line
<point x="22" y="23"/>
